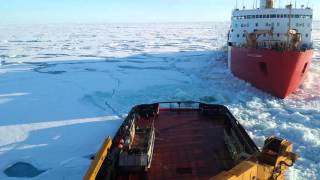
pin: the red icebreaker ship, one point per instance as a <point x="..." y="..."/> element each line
<point x="271" y="47"/>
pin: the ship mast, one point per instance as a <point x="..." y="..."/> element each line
<point x="289" y="25"/>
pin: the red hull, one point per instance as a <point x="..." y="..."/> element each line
<point x="277" y="72"/>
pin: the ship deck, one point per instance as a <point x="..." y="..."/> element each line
<point x="188" y="145"/>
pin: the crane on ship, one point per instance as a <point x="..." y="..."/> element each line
<point x="252" y="37"/>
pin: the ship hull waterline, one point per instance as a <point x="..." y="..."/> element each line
<point x="277" y="72"/>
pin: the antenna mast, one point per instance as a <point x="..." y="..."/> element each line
<point x="279" y="3"/>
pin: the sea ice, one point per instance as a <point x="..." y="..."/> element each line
<point x="65" y="88"/>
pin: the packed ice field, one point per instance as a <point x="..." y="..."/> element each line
<point x="65" y="88"/>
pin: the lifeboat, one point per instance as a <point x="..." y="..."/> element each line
<point x="187" y="140"/>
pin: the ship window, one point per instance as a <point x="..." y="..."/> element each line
<point x="268" y="16"/>
<point x="273" y="16"/>
<point x="304" y="68"/>
<point x="278" y="35"/>
<point x="264" y="16"/>
<point x="243" y="35"/>
<point x="264" y="35"/>
<point x="281" y="15"/>
<point x="263" y="68"/>
<point x="238" y="35"/>
<point x="296" y="16"/>
<point x="261" y="16"/>
<point x="307" y="35"/>
<point x="278" y="15"/>
<point x="285" y="16"/>
<point x="231" y="30"/>
<point x="257" y="16"/>
<point x="257" y="24"/>
<point x="291" y="16"/>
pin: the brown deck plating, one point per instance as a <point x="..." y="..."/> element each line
<point x="188" y="146"/>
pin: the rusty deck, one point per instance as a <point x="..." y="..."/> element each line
<point x="190" y="143"/>
<point x="188" y="146"/>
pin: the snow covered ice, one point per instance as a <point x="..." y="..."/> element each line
<point x="64" y="88"/>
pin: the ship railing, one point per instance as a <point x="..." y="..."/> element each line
<point x="274" y="45"/>
<point x="179" y="105"/>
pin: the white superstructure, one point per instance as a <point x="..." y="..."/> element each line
<point x="280" y="21"/>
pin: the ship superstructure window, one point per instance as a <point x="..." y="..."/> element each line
<point x="257" y="24"/>
<point x="307" y="35"/>
<point x="278" y="34"/>
<point x="272" y="16"/>
<point x="300" y="24"/>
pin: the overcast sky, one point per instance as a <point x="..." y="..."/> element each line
<point x="91" y="11"/>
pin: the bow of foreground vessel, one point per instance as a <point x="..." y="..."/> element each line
<point x="187" y="140"/>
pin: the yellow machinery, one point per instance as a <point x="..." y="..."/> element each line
<point x="295" y="38"/>
<point x="269" y="4"/>
<point x="98" y="160"/>
<point x="269" y="164"/>
<point x="252" y="37"/>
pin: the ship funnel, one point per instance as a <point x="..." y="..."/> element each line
<point x="266" y="4"/>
